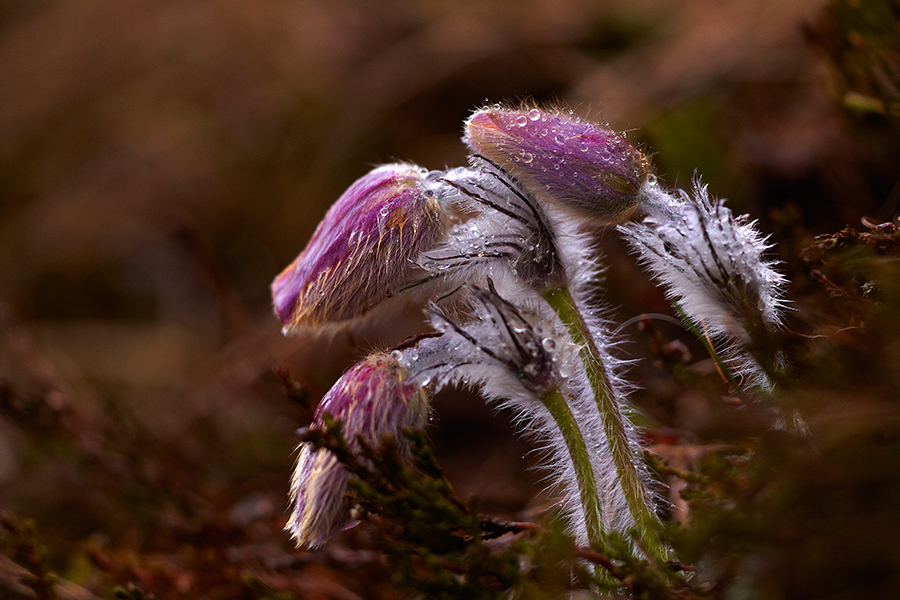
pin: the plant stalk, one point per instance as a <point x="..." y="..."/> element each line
<point x="614" y="422"/>
<point x="584" y="472"/>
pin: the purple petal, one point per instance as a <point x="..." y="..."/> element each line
<point x="557" y="156"/>
<point x="361" y="251"/>
<point x="371" y="400"/>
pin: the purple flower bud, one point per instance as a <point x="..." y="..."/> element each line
<point x="580" y="165"/>
<point x="371" y="400"/>
<point x="362" y="250"/>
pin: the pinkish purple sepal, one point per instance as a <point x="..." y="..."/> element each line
<point x="362" y="251"/>
<point x="554" y="155"/>
<point x="371" y="400"/>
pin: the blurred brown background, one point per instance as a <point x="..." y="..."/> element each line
<point x="161" y="161"/>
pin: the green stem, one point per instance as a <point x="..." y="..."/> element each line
<point x="723" y="367"/>
<point x="584" y="472"/>
<point x="560" y="299"/>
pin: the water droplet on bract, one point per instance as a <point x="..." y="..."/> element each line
<point x="544" y="132"/>
<point x="583" y="147"/>
<point x="549" y="344"/>
<point x="527" y="157"/>
<point x="521" y="120"/>
<point x="384" y="211"/>
<point x="396" y="355"/>
<point x="559" y="138"/>
<point x="534" y="114"/>
<point x="651" y="179"/>
<point x="606" y="155"/>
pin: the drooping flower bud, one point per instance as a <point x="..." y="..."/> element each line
<point x="362" y="250"/>
<point x="714" y="268"/>
<point x="372" y="400"/>
<point x="558" y="157"/>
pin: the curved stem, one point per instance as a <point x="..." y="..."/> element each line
<point x="584" y="472"/>
<point x="614" y="422"/>
<point x="721" y="365"/>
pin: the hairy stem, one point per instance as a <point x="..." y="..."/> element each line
<point x="584" y="472"/>
<point x="614" y="422"/>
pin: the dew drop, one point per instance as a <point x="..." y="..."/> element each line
<point x="606" y="155"/>
<point x="583" y="147"/>
<point x="559" y="138"/>
<point x="534" y="114"/>
<point x="521" y="120"/>
<point x="549" y="344"/>
<point x="527" y="157"/>
<point x="396" y="355"/>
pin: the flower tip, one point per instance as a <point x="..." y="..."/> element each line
<point x="362" y="250"/>
<point x="578" y="164"/>
<point x="371" y="400"/>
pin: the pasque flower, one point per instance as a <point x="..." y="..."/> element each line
<point x="362" y="251"/>
<point x="580" y="165"/>
<point x="372" y="400"/>
<point x="714" y="269"/>
<point x="529" y="337"/>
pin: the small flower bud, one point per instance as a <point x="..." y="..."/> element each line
<point x="715" y="269"/>
<point x="362" y="250"/>
<point x="371" y="400"/>
<point x="580" y="165"/>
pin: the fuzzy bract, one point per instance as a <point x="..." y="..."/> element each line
<point x="517" y="354"/>
<point x="510" y="231"/>
<point x="713" y="267"/>
<point x="560" y="158"/>
<point x="505" y="347"/>
<point x="372" y="400"/>
<point x="362" y="251"/>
